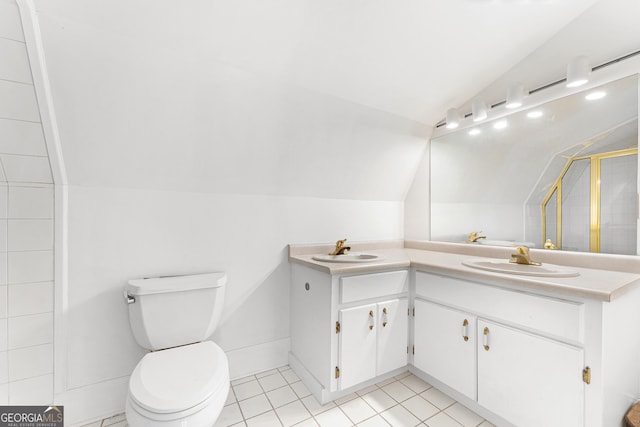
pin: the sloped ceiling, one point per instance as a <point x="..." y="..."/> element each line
<point x="411" y="58"/>
<point x="280" y="97"/>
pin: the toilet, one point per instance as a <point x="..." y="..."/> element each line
<point x="184" y="380"/>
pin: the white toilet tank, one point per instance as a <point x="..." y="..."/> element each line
<point x="167" y="312"/>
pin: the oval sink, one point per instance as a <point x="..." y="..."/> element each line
<point x="353" y="257"/>
<point x="503" y="266"/>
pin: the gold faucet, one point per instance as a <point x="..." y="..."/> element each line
<point x="549" y="245"/>
<point x="474" y="237"/>
<point x="522" y="256"/>
<point x="340" y="249"/>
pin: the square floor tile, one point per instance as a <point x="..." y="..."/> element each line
<point x="463" y="415"/>
<point x="290" y="376"/>
<point x="229" y="416"/>
<point x="376" y="421"/>
<point x="367" y="390"/>
<point x="292" y="413"/>
<point x="398" y="391"/>
<point x="272" y="382"/>
<point x="415" y="383"/>
<point x="385" y="382"/>
<point x="333" y="418"/>
<point x="420" y="407"/>
<point x="442" y="420"/>
<point x="247" y="390"/>
<point x="398" y="416"/>
<point x="114" y="420"/>
<point x="379" y="400"/>
<point x="486" y="424"/>
<point x="437" y="398"/>
<point x="345" y="399"/>
<point x="300" y="389"/>
<point x="314" y="407"/>
<point x="402" y="375"/>
<point x="243" y="380"/>
<point x="255" y="406"/>
<point x="231" y="397"/>
<point x="267" y="373"/>
<point x="307" y="423"/>
<point x="281" y="396"/>
<point x="268" y="419"/>
<point x="357" y="410"/>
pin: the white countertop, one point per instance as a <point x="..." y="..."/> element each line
<point x="601" y="283"/>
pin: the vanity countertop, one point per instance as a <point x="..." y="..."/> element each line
<point x="593" y="283"/>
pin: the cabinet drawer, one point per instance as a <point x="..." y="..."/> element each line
<point x="355" y="288"/>
<point x="554" y="316"/>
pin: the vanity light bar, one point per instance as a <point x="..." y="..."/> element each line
<point x="557" y="82"/>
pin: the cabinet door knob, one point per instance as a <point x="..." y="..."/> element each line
<point x="465" y="327"/>
<point x="384" y="317"/>
<point x="485" y="339"/>
<point x="370" y="320"/>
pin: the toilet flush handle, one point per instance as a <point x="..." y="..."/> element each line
<point x="128" y="298"/>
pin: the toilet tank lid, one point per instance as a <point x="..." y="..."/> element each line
<point x="159" y="285"/>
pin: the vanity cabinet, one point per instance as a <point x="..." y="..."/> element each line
<point x="517" y="355"/>
<point x="372" y="341"/>
<point x="528" y="379"/>
<point x="347" y="330"/>
<point x="445" y="345"/>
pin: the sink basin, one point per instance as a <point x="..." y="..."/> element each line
<point x="504" y="266"/>
<point x="352" y="257"/>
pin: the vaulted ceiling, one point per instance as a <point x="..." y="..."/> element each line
<point x="412" y="58"/>
<point x="274" y="97"/>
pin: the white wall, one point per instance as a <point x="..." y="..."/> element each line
<point x="180" y="162"/>
<point x="26" y="228"/>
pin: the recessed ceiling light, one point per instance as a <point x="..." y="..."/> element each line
<point x="475" y="131"/>
<point x="595" y="95"/>
<point x="501" y="124"/>
<point x="534" y="114"/>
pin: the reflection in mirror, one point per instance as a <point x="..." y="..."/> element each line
<point x="566" y="171"/>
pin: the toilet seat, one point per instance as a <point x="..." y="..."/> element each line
<point x="179" y="381"/>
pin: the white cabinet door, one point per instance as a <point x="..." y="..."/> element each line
<point x="392" y="326"/>
<point x="445" y="346"/>
<point x="357" y="345"/>
<point x="529" y="380"/>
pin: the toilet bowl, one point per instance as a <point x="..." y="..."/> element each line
<point x="180" y="383"/>
<point x="183" y="387"/>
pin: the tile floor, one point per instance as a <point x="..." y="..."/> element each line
<point x="278" y="398"/>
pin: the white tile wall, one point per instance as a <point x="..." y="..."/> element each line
<point x="3" y="235"/>
<point x="10" y="26"/>
<point x="30" y="362"/>
<point x="3" y="334"/>
<point x="32" y="391"/>
<point x="4" y="394"/>
<point x="3" y="301"/>
<point x="26" y="331"/>
<point x="30" y="202"/>
<point x="3" y="268"/>
<point x="30" y="267"/>
<point x="26" y="168"/>
<point x="28" y="234"/>
<point x="18" y="137"/>
<point x="26" y="228"/>
<point x="4" y="197"/>
<point x="15" y="65"/>
<point x="29" y="298"/>
<point x="18" y="101"/>
<point x="4" y="369"/>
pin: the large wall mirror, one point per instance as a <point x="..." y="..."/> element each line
<point x="566" y="171"/>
